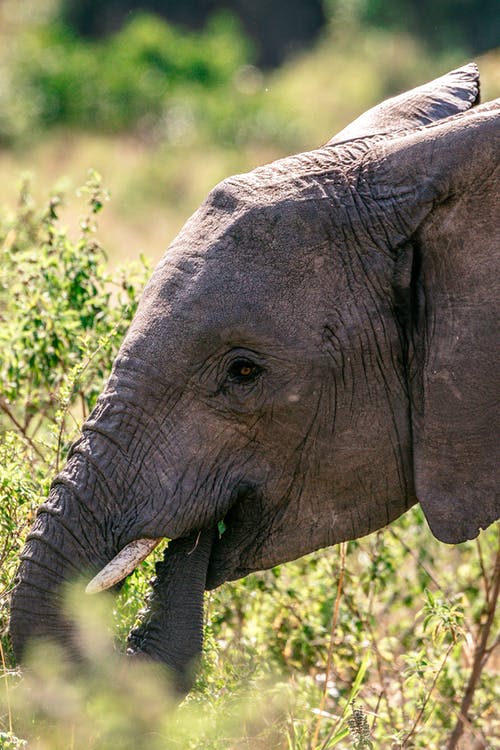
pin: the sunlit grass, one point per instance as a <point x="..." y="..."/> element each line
<point x="404" y="656"/>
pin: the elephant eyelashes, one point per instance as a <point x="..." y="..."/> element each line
<point x="243" y="371"/>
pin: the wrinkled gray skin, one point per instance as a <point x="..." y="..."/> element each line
<point x="313" y="355"/>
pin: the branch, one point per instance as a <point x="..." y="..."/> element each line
<point x="340" y="582"/>
<point x="22" y="431"/>
<point x="420" y="714"/>
<point x="480" y="652"/>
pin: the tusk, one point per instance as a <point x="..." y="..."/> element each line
<point x="122" y="564"/>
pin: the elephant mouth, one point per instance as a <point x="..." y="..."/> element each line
<point x="170" y="630"/>
<point x="234" y="533"/>
<point x="234" y="553"/>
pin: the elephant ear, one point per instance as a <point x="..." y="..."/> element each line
<point x="454" y="92"/>
<point x="436" y="191"/>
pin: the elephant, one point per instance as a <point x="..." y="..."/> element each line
<point x="313" y="355"/>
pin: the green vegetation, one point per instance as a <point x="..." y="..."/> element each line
<point x="379" y="643"/>
<point x="468" y="25"/>
<point x="148" y="76"/>
<point x="370" y="644"/>
<point x="62" y="318"/>
<point x="163" y="115"/>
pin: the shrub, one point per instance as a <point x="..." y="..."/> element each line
<point x="62" y="318"/>
<point x="139" y="78"/>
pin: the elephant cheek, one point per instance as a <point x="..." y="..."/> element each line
<point x="172" y="630"/>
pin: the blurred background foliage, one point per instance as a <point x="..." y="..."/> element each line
<point x="165" y="99"/>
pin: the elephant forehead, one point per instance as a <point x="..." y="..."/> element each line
<point x="256" y="233"/>
<point x="241" y="302"/>
<point x="249" y="266"/>
<point x="257" y="257"/>
<point x="269" y="212"/>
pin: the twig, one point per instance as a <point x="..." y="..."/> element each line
<point x="415" y="557"/>
<point x="486" y="583"/>
<point x="428" y="696"/>
<point x="5" y="408"/>
<point x="491" y="648"/>
<point x="195" y="544"/>
<point x="340" y="582"/>
<point x="83" y="405"/>
<point x="480" y="652"/>
<point x="380" y="672"/>
<point x="7" y="695"/>
<point x="365" y="619"/>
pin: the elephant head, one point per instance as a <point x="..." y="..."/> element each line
<point x="312" y="356"/>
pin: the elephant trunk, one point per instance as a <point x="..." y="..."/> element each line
<point x="57" y="553"/>
<point x="72" y="539"/>
<point x="172" y="629"/>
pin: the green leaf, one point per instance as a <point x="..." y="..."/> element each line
<point x="338" y="736"/>
<point x="356" y="685"/>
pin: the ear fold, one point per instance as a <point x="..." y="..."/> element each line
<point x="456" y="379"/>
<point x="454" y="92"/>
<point x="450" y="195"/>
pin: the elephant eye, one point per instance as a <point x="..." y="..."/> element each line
<point x="243" y="371"/>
